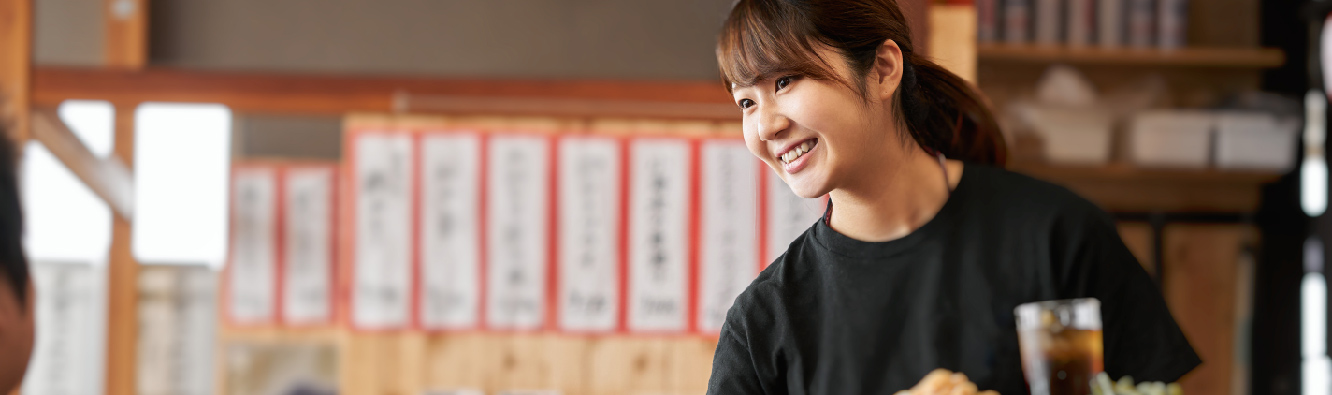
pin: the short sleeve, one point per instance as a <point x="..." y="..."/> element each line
<point x="733" y="370"/>
<point x="1141" y="337"/>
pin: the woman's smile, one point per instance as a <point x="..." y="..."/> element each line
<point x="796" y="156"/>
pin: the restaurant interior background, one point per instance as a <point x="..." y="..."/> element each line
<point x="542" y="197"/>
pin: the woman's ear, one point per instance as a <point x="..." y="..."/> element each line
<point x="886" y="75"/>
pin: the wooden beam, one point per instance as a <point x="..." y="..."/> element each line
<point x="338" y="95"/>
<point x="1213" y="57"/>
<point x="16" y="21"/>
<point x="123" y="289"/>
<point x="107" y="177"/>
<point x="126" y="33"/>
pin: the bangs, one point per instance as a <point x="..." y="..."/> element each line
<point x="763" y="39"/>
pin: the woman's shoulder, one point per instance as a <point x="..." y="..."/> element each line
<point x="766" y="298"/>
<point x="998" y="187"/>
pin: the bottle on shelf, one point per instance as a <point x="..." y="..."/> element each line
<point x="987" y="24"/>
<point x="1141" y="14"/>
<point x="1172" y="23"/>
<point x="1017" y="21"/>
<point x="1081" y="22"/>
<point x="1048" y="22"/>
<point x="1110" y="23"/>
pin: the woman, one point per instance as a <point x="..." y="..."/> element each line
<point x="925" y="249"/>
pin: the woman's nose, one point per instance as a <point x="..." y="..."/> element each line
<point x="771" y="123"/>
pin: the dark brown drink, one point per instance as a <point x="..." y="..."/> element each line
<point x="1062" y="351"/>
<point x="1065" y="364"/>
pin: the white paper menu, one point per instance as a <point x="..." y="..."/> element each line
<point x="253" y="262"/>
<point x="729" y="251"/>
<point x="516" y="232"/>
<point x="176" y="338"/>
<point x="589" y="228"/>
<point x="788" y="215"/>
<point x="450" y="231"/>
<point x="381" y="289"/>
<point x="71" y="329"/>
<point x="308" y="242"/>
<point x="659" y="235"/>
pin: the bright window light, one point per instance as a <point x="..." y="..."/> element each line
<point x="182" y="160"/>
<point x="63" y="219"/>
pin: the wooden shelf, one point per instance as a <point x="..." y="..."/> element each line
<point x="1184" y="57"/>
<point x="1125" y="188"/>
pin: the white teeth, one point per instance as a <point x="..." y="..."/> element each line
<point x="796" y="152"/>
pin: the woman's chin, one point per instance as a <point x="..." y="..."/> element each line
<point x="805" y="189"/>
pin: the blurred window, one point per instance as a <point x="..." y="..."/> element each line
<point x="64" y="220"/>
<point x="181" y="166"/>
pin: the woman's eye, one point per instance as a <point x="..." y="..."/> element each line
<point x="746" y="103"/>
<point x="783" y="82"/>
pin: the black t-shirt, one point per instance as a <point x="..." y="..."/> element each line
<point x="839" y="316"/>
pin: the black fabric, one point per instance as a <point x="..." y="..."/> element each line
<point x="834" y="315"/>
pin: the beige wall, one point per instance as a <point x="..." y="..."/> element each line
<point x="594" y="39"/>
<point x="614" y="39"/>
<point x="68" y="32"/>
<point x="290" y="137"/>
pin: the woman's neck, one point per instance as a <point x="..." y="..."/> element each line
<point x="893" y="199"/>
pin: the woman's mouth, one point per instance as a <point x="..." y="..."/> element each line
<point x="795" y="158"/>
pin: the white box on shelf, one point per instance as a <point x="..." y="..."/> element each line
<point x="1170" y="138"/>
<point x="1253" y="140"/>
<point x="1073" y="136"/>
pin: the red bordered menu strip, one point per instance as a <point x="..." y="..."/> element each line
<point x="588" y="236"/>
<point x="382" y="262"/>
<point x="308" y="234"/>
<point x="252" y="270"/>
<point x="517" y="231"/>
<point x="729" y="248"/>
<point x="450" y="228"/>
<point x="659" y="235"/>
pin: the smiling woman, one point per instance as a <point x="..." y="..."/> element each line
<point x="776" y="43"/>
<point x="921" y="264"/>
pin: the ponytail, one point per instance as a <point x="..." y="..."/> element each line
<point x="944" y="114"/>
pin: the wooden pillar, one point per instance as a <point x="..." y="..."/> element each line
<point x="126" y="46"/>
<point x="123" y="273"/>
<point x="126" y="33"/>
<point x="16" y="70"/>
<point x="952" y="38"/>
<point x="16" y="66"/>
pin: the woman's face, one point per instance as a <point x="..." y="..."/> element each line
<point x="817" y="134"/>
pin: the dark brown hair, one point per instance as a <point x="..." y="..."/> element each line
<point x="13" y="263"/>
<point x="941" y="112"/>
